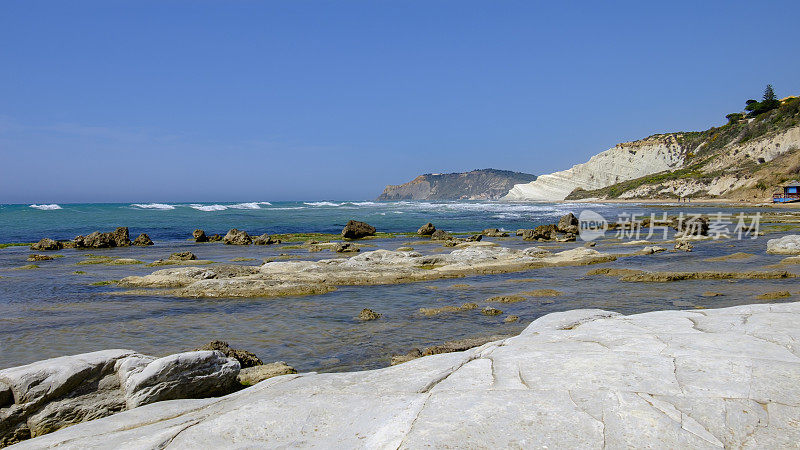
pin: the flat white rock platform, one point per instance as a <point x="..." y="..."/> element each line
<point x="579" y="379"/>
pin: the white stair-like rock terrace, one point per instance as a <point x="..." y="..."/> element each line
<point x="578" y="379"/>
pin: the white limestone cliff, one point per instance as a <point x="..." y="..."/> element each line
<point x="625" y="161"/>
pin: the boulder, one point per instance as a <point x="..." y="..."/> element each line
<point x="542" y="232"/>
<point x="245" y="358"/>
<point x="426" y="230"/>
<point x="237" y="237"/>
<point x="184" y="375"/>
<point x="368" y="314"/>
<point x="568" y="224"/>
<point x="357" y="230"/>
<point x="46" y="244"/>
<point x="182" y="256"/>
<point x="684" y="246"/>
<point x="691" y="226"/>
<point x="345" y="247"/>
<point x="441" y="235"/>
<point x="786" y="245"/>
<point x="494" y="232"/>
<point x="252" y="375"/>
<point x="116" y="238"/>
<point x="200" y="235"/>
<point x="511" y="319"/>
<point x="265" y="239"/>
<point x="474" y="238"/>
<point x="214" y="238"/>
<point x="489" y="311"/>
<point x="143" y="240"/>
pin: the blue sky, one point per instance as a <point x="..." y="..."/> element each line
<point x="258" y="100"/>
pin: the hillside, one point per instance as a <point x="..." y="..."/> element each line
<point x="483" y="184"/>
<point x="746" y="159"/>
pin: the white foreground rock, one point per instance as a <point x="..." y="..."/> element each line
<point x="786" y="245"/>
<point x="579" y="379"/>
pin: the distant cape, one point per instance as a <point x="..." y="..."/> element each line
<point x="483" y="184"/>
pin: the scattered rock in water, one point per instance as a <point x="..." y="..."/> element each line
<point x="214" y="238"/>
<point x="368" y="314"/>
<point x="117" y="238"/>
<point x="237" y="237"/>
<point x="182" y="256"/>
<point x="682" y="304"/>
<point x="732" y="257"/>
<point x="489" y="311"/>
<point x="786" y="245"/>
<point x="506" y="299"/>
<point x="661" y="277"/>
<point x="200" y="235"/>
<point x="58" y="392"/>
<point x="245" y="358"/>
<point x="447" y="309"/>
<point x="265" y="239"/>
<point x="543" y="293"/>
<point x="426" y="230"/>
<point x="441" y="235"/>
<point x="511" y="319"/>
<point x="405" y="249"/>
<point x="448" y="347"/>
<point x="541" y="233"/>
<point x="684" y="246"/>
<point x="459" y="286"/>
<point x="474" y="238"/>
<point x="494" y="232"/>
<point x="142" y="240"/>
<point x="590" y="244"/>
<point x="123" y="261"/>
<point x="568" y="224"/>
<point x="34" y="258"/>
<point x="774" y="295"/>
<point x="27" y="267"/>
<point x="249" y="376"/>
<point x="46" y="244"/>
<point x="468" y="306"/>
<point x="345" y="247"/>
<point x="357" y="230"/>
<point x="712" y="294"/>
<point x="791" y="260"/>
<point x="691" y="226"/>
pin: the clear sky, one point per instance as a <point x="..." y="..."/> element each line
<point x="241" y="100"/>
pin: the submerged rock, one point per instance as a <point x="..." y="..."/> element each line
<point x="199" y="235"/>
<point x="34" y="258"/>
<point x="237" y="237"/>
<point x="426" y="230"/>
<point x="182" y="256"/>
<point x="368" y="314"/>
<point x="214" y="238"/>
<point x="494" y="232"/>
<point x="786" y="245"/>
<point x="511" y="319"/>
<point x="46" y="244"/>
<point x="143" y="240"/>
<point x="489" y="311"/>
<point x="684" y="246"/>
<point x="357" y="230"/>
<point x="265" y="239"/>
<point x="345" y="247"/>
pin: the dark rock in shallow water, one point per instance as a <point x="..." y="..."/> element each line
<point x="357" y="230"/>
<point x="214" y="238"/>
<point x="426" y="230"/>
<point x="143" y="240"/>
<point x="543" y="232"/>
<point x="183" y="256"/>
<point x="237" y="237"/>
<point x="200" y="236"/>
<point x="494" y="232"/>
<point x="265" y="239"/>
<point x="475" y="238"/>
<point x="440" y="235"/>
<point x="368" y="314"/>
<point x="345" y="247"/>
<point x="568" y="224"/>
<point x="33" y="258"/>
<point x="245" y="358"/>
<point x="116" y="238"/>
<point x="46" y="244"/>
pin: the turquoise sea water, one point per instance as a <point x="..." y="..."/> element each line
<point x="54" y="310"/>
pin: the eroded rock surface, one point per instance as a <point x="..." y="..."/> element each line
<point x="377" y="267"/>
<point x="577" y="379"/>
<point x="786" y="245"/>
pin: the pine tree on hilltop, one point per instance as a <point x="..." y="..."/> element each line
<point x="769" y="94"/>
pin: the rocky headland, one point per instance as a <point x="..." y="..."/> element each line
<point x="483" y="184"/>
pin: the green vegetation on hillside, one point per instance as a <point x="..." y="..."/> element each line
<point x="702" y="147"/>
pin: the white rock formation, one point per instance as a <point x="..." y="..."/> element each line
<point x="624" y="162"/>
<point x="786" y="245"/>
<point x="38" y="398"/>
<point x="578" y="379"/>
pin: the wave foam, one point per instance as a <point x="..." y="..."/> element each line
<point x="322" y="204"/>
<point x="207" y="208"/>
<point x="49" y="207"/>
<point x="153" y="206"/>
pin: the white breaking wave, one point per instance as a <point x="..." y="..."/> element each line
<point x="218" y="207"/>
<point x="153" y="206"/>
<point x="251" y="205"/>
<point x="208" y="207"/>
<point x="322" y="204"/>
<point x="49" y="207"/>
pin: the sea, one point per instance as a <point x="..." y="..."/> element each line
<point x="69" y="305"/>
